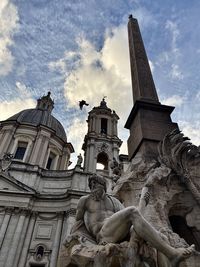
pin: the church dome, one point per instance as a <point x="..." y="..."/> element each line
<point x="41" y="115"/>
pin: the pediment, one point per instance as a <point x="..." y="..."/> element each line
<point x="10" y="184"/>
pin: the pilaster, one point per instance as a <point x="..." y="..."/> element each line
<point x="57" y="239"/>
<point x="5" y="223"/>
<point x="27" y="241"/>
<point x="15" y="241"/>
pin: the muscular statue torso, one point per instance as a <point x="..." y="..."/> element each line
<point x="94" y="212"/>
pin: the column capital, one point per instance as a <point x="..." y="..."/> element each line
<point x="60" y="214"/>
<point x="21" y="210"/>
<point x="25" y="211"/>
<point x="9" y="210"/>
<point x="70" y="212"/>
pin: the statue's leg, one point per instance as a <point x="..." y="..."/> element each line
<point x="117" y="226"/>
<point x="163" y="260"/>
<point x="150" y="234"/>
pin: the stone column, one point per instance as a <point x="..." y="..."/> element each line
<point x="27" y="152"/>
<point x="22" y="240"/>
<point x="37" y="145"/>
<point x="43" y="158"/>
<point x="86" y="156"/>
<point x="97" y="125"/>
<point x="90" y="122"/>
<point x="70" y="219"/>
<point x="4" y="225"/>
<point x="109" y="126"/>
<point x="15" y="241"/>
<point x="91" y="158"/>
<point x="56" y="243"/>
<point x="7" y="137"/>
<point x="94" y="123"/>
<point x="63" y="163"/>
<point x="115" y="128"/>
<point x="55" y="162"/>
<point x="27" y="241"/>
<point x="39" y="151"/>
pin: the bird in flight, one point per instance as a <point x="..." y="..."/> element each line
<point x="82" y="103"/>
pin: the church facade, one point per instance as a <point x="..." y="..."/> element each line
<point x="39" y="193"/>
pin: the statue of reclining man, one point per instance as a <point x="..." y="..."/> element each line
<point x="108" y="221"/>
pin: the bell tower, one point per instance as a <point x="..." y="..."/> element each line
<point x="101" y="143"/>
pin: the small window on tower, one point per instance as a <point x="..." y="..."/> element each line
<point x="21" y="149"/>
<point x="104" y="123"/>
<point x="102" y="161"/>
<point x="50" y="162"/>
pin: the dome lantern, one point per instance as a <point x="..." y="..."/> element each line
<point x="45" y="103"/>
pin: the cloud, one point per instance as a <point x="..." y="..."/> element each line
<point x="102" y="73"/>
<point x="75" y="135"/>
<point x="9" y="108"/>
<point x="23" y="90"/>
<point x="174" y="100"/>
<point x="76" y="132"/>
<point x="191" y="130"/>
<point x="8" y="26"/>
<point x="98" y="72"/>
<point x="59" y="65"/>
<point x="173" y="54"/>
<point x="151" y="64"/>
<point x="173" y="29"/>
<point x="145" y="17"/>
<point x="176" y="72"/>
<point x="198" y="95"/>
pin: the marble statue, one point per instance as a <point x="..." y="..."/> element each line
<point x="79" y="160"/>
<point x="6" y="161"/>
<point x="106" y="221"/>
<point x="116" y="167"/>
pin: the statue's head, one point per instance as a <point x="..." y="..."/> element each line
<point x="98" y="180"/>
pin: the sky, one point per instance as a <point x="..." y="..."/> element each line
<point x="78" y="49"/>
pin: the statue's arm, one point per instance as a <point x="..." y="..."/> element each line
<point x="81" y="208"/>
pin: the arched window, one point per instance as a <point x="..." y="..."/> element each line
<point x="51" y="161"/>
<point x="20" y="151"/>
<point x="190" y="234"/>
<point x="102" y="161"/>
<point x="21" y="147"/>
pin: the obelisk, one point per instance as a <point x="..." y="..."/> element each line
<point x="149" y="120"/>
